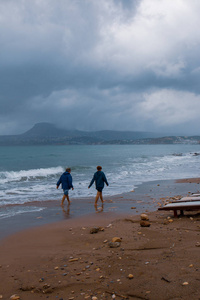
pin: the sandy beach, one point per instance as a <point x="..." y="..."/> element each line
<point x="76" y="258"/>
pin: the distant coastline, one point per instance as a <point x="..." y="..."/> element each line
<point x="49" y="134"/>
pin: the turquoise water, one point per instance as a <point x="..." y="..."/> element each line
<point x="30" y="173"/>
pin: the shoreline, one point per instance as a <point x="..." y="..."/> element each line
<point x="145" y="198"/>
<point x="63" y="260"/>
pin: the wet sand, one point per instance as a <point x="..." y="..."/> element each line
<point x="64" y="260"/>
<point x="146" y="197"/>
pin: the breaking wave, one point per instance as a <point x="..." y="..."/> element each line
<point x="28" y="175"/>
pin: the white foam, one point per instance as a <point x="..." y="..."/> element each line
<point x="123" y="175"/>
<point x="13" y="212"/>
<point x="26" y="175"/>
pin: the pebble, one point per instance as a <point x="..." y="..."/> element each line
<point x="130" y="276"/>
<point x="110" y="225"/>
<point x="94" y="298"/>
<point x="73" y="259"/>
<point x="94" y="230"/>
<point x="1" y="296"/>
<point x="56" y="268"/>
<point x="116" y="239"/>
<point x="15" y="297"/>
<point x="197" y="244"/>
<point x="144" y="217"/>
<point x="185" y="283"/>
<point x="144" y="223"/>
<point x="114" y="245"/>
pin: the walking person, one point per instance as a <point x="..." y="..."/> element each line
<point x="99" y="178"/>
<point x="66" y="182"/>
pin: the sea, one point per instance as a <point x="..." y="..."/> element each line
<point x="28" y="174"/>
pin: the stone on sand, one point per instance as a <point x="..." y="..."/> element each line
<point x="94" y="230"/>
<point x="114" y="245"/>
<point x="116" y="239"/>
<point x="144" y="223"/>
<point x="144" y="217"/>
<point x="15" y="297"/>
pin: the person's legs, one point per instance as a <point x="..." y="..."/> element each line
<point x="101" y="197"/>
<point x="97" y="197"/>
<point x="63" y="199"/>
<point x="65" y="196"/>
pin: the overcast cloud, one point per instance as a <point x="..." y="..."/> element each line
<point x="92" y="65"/>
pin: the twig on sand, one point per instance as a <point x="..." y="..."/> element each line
<point x="163" y="278"/>
<point x="137" y="297"/>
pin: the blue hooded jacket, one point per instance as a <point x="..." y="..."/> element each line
<point x="66" y="181"/>
<point x="99" y="178"/>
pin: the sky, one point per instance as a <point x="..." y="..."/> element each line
<point x="95" y="65"/>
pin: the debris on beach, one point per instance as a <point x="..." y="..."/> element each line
<point x="15" y="297"/>
<point x="144" y="223"/>
<point x="116" y="239"/>
<point x="144" y="217"/>
<point x="144" y="220"/>
<point x="185" y="283"/>
<point x="114" y="244"/>
<point x="96" y="229"/>
<point x="73" y="259"/>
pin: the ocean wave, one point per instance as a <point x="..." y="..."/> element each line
<point x="28" y="175"/>
<point x="7" y="213"/>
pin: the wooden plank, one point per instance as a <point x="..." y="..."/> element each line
<point x="187" y="199"/>
<point x="182" y="204"/>
<point x="190" y="198"/>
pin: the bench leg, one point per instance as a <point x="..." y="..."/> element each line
<point x="175" y="214"/>
<point x="181" y="212"/>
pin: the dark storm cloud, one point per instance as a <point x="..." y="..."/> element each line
<point x="107" y="64"/>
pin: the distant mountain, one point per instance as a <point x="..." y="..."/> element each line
<point x="50" y="130"/>
<point x="49" y="134"/>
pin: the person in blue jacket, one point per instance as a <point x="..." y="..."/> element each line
<point x="66" y="181"/>
<point x="99" y="178"/>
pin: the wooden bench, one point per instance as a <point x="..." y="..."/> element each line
<point x="185" y="205"/>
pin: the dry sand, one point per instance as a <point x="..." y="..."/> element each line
<point x="65" y="261"/>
